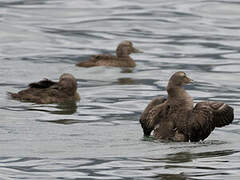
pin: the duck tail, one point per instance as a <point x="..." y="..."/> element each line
<point x="12" y="95"/>
<point x="86" y="64"/>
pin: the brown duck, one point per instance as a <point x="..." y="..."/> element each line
<point x="122" y="58"/>
<point x="47" y="91"/>
<point x="176" y="118"/>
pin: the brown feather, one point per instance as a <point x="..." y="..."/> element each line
<point x="176" y="119"/>
<point x="200" y="124"/>
<point x="46" y="83"/>
<point x="146" y="119"/>
<point x="122" y="58"/>
<point x="63" y="91"/>
<point x="222" y="113"/>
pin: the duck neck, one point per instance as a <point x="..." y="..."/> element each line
<point x="122" y="52"/>
<point x="178" y="96"/>
<point x="125" y="56"/>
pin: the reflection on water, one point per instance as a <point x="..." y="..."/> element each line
<point x="100" y="136"/>
<point x="124" y="81"/>
<point x="127" y="70"/>
<point x="182" y="157"/>
<point x="62" y="121"/>
<point x="180" y="176"/>
<point x="116" y="168"/>
<point x="66" y="108"/>
<point x="131" y="81"/>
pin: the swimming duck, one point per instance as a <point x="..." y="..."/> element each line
<point x="122" y="58"/>
<point x="176" y="118"/>
<point x="47" y="91"/>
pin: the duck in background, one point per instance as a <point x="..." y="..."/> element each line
<point x="47" y="91"/>
<point x="176" y="118"/>
<point x="122" y="58"/>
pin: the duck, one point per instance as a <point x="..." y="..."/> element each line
<point x="122" y="58"/>
<point x="47" y="91"/>
<point x="175" y="118"/>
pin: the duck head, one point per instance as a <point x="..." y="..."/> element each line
<point x="125" y="48"/>
<point x="179" y="79"/>
<point x="68" y="83"/>
<point x="175" y="86"/>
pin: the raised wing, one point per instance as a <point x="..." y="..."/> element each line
<point x="206" y="116"/>
<point x="148" y="118"/>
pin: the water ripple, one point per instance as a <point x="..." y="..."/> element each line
<point x="100" y="137"/>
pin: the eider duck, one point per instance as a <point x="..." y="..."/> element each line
<point x="122" y="58"/>
<point x="47" y="91"/>
<point x="176" y="118"/>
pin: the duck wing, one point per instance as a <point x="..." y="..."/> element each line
<point x="206" y="116"/>
<point x="42" y="92"/>
<point x="99" y="57"/>
<point x="95" y="59"/>
<point x="152" y="114"/>
<point x="46" y="83"/>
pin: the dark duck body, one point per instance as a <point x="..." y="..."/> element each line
<point x="176" y="118"/>
<point x="122" y="58"/>
<point x="47" y="91"/>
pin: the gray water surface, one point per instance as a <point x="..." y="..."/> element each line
<point x="100" y="137"/>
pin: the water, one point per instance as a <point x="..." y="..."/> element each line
<point x="100" y="137"/>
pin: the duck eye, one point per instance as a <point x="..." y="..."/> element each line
<point x="183" y="74"/>
<point x="129" y="43"/>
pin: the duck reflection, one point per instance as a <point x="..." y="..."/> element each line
<point x="126" y="81"/>
<point x="62" y="109"/>
<point x="63" y="121"/>
<point x="65" y="108"/>
<point x="180" y="157"/>
<point x="180" y="176"/>
<point x="183" y="157"/>
<point x="127" y="70"/>
<point x="176" y="161"/>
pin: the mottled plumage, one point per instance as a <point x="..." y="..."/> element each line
<point x="122" y="58"/>
<point x="47" y="91"/>
<point x="176" y="118"/>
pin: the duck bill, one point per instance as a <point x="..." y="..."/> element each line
<point x="135" y="50"/>
<point x="190" y="80"/>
